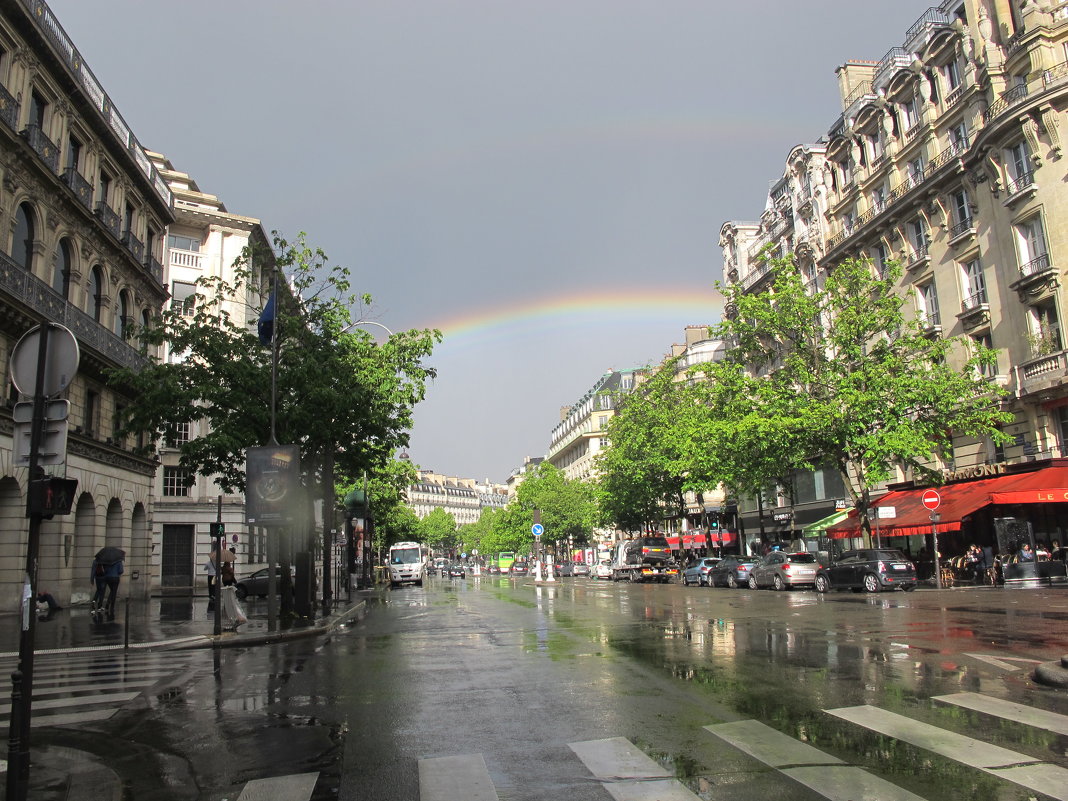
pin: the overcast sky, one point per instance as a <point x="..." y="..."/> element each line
<point x="544" y="180"/>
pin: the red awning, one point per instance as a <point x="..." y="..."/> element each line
<point x="959" y="501"/>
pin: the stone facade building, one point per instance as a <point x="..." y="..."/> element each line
<point x="948" y="157"/>
<point x="463" y="498"/>
<point x="83" y="214"/>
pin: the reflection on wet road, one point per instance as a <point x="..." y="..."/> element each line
<point x="596" y="691"/>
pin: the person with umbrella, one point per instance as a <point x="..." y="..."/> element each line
<point x="107" y="568"/>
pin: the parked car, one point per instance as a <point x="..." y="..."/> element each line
<point x="564" y="569"/>
<point x="603" y="570"/>
<point x="518" y="568"/>
<point x="697" y="573"/>
<point x="256" y="583"/>
<point x="781" y="570"/>
<point x="581" y="569"/>
<point x="456" y="570"/>
<point x="494" y="570"/>
<point x="731" y="571"/>
<point x="869" y="569"/>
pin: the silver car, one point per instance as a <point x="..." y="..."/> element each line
<point x="781" y="570"/>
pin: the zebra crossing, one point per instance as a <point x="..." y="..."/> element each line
<point x="71" y="688"/>
<point x="628" y="774"/>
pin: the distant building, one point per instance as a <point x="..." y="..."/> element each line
<point x="530" y="463"/>
<point x="463" y="498"/>
<point x="83" y="213"/>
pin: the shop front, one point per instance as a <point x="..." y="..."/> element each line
<point x="996" y="507"/>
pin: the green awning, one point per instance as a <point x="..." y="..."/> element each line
<point x="819" y="528"/>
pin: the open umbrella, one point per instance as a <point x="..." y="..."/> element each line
<point x="109" y="555"/>
<point x="227" y="556"/>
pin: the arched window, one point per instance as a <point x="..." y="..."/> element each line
<point x="122" y="316"/>
<point x="22" y="245"/>
<point x="96" y="293"/>
<point x="61" y="277"/>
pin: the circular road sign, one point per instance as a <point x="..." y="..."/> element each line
<point x="61" y="360"/>
<point x="537" y="529"/>
<point x="931" y="499"/>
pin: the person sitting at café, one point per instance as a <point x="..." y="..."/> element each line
<point x="1025" y="554"/>
<point x="1041" y="551"/>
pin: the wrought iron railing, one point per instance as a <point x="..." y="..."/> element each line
<point x="1021" y="182"/>
<point x="134" y="245"/>
<point x="955" y="150"/>
<point x="36" y="294"/>
<point x="964" y="225"/>
<point x="155" y="269"/>
<point x="1055" y="74"/>
<point x="108" y="217"/>
<point x="79" y="186"/>
<point x="974" y="301"/>
<point x="9" y="108"/>
<point x="1007" y="99"/>
<point x="931" y="18"/>
<point x="895" y="57"/>
<point x="1036" y="266"/>
<point x="42" y="145"/>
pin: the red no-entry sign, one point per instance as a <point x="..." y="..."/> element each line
<point x="931" y="499"/>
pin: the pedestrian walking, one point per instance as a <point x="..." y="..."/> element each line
<point x="227" y="570"/>
<point x="210" y="569"/>
<point x="106" y="573"/>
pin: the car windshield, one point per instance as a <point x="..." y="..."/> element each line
<point x="656" y="542"/>
<point x="889" y="556"/>
<point x="404" y="556"/>
<point x="802" y="558"/>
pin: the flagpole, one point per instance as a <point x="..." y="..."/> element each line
<point x="274" y="354"/>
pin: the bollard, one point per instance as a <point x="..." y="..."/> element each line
<point x="126" y="623"/>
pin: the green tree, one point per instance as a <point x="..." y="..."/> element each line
<point x="647" y="463"/>
<point x="837" y="375"/>
<point x="439" y="529"/>
<point x="568" y="506"/>
<point x="344" y="399"/>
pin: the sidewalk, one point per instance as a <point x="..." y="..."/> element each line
<point x="159" y="623"/>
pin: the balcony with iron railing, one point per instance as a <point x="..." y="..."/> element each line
<point x="79" y="186"/>
<point x="1035" y="268"/>
<point x="954" y="151"/>
<point x="917" y="256"/>
<point x="1007" y="100"/>
<point x="896" y="58"/>
<point x="975" y="302"/>
<point x="755" y="276"/>
<point x="42" y="146"/>
<point x="35" y="293"/>
<point x="1042" y="371"/>
<point x="1022" y="182"/>
<point x="108" y="217"/>
<point x="9" y="108"/>
<point x="920" y="32"/>
<point x="966" y="225"/>
<point x="134" y="245"/>
<point x="154" y="267"/>
<point x="1055" y="74"/>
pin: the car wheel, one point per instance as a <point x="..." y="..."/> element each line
<point x="871" y="583"/>
<point x="909" y="587"/>
<point x="685" y="580"/>
<point x="777" y="582"/>
<point x="822" y="584"/>
<point x="419" y="583"/>
<point x="732" y="581"/>
<point x="752" y="583"/>
<point x="242" y="593"/>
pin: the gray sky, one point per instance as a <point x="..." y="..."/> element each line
<point x="545" y="181"/>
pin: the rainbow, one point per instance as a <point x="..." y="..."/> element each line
<point x="633" y="307"/>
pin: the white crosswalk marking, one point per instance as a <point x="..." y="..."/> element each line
<point x="1036" y="718"/>
<point x="824" y="773"/>
<point x="995" y="760"/>
<point x="297" y="787"/>
<point x="627" y="773"/>
<point x="455" y="778"/>
<point x="89" y="686"/>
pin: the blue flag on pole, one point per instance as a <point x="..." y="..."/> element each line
<point x="265" y="326"/>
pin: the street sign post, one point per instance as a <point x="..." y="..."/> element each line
<point x="930" y="499"/>
<point x="537" y="529"/>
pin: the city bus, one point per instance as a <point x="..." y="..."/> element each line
<point x="505" y="560"/>
<point x="407" y="561"/>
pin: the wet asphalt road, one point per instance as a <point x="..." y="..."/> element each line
<point x="516" y="672"/>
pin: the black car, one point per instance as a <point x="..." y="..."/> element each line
<point x="456" y="570"/>
<point x="871" y="569"/>
<point x="256" y="584"/>
<point x="518" y="568"/>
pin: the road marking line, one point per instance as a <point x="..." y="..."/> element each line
<point x="827" y="775"/>
<point x="1003" y="661"/>
<point x="1001" y="762"/>
<point x="296" y="787"/>
<point x="66" y="703"/>
<point x="628" y="773"/>
<point x="1007" y="710"/>
<point x="455" y="778"/>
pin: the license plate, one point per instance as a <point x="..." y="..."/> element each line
<point x="805" y="572"/>
<point x="900" y="567"/>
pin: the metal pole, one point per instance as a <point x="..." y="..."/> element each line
<point x="274" y="353"/>
<point x="934" y="537"/>
<point x="217" y="599"/>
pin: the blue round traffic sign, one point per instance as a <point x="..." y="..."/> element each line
<point x="537" y="529"/>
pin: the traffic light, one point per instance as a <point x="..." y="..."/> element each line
<point x="217" y="530"/>
<point x="713" y="521"/>
<point x="52" y="496"/>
